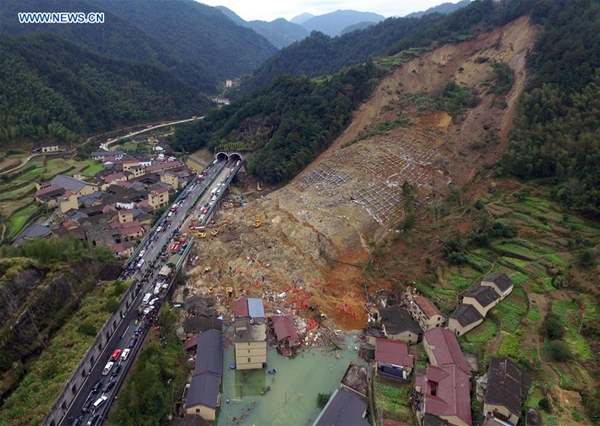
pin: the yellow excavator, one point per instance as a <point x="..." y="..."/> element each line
<point x="219" y="229"/>
<point x="258" y="186"/>
<point x="259" y="220"/>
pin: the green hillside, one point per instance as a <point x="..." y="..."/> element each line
<point x="56" y="90"/>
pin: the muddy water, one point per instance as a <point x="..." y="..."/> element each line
<point x="291" y="400"/>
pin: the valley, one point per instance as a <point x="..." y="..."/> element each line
<point x="403" y="221"/>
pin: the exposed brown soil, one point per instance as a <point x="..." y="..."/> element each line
<point x="320" y="230"/>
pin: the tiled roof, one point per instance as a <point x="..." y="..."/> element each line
<point x="131" y="230"/>
<point x="68" y="182"/>
<point x="445" y="349"/>
<point x="501" y="281"/>
<point x="209" y="356"/>
<point x="452" y="396"/>
<point x="393" y="352"/>
<point x="161" y="190"/>
<point x="507" y="384"/>
<point x="344" y="408"/>
<point x="47" y="190"/>
<point x="204" y="390"/>
<point x="466" y="314"/>
<point x="483" y="294"/>
<point x="285" y="329"/>
<point x="427" y="306"/>
<point x="397" y="320"/>
<point x="240" y="308"/>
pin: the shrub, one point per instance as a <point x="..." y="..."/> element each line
<point x="88" y="329"/>
<point x="553" y="326"/>
<point x="559" y="350"/>
<point x="322" y="399"/>
<point x="111" y="305"/>
<point x="544" y="404"/>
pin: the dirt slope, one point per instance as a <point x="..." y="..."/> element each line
<point x="320" y="229"/>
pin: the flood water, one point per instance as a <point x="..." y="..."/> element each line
<point x="291" y="399"/>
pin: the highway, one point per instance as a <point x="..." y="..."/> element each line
<point x="146" y="276"/>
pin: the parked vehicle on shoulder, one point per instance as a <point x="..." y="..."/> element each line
<point x="88" y="403"/>
<point x="132" y="343"/>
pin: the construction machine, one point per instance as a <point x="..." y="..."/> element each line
<point x="219" y="229"/>
<point x="259" y="220"/>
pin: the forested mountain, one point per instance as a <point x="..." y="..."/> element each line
<point x="359" y="26"/>
<point x="54" y="90"/>
<point x="320" y="54"/>
<point x="333" y="23"/>
<point x="287" y="125"/>
<point x="557" y="132"/>
<point x="444" y="8"/>
<point x="194" y="41"/>
<point x="200" y="33"/>
<point x="279" y="32"/>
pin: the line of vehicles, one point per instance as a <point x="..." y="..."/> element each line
<point x="150" y="271"/>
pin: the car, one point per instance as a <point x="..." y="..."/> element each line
<point x="87" y="404"/>
<point x="159" y="229"/>
<point x="115" y="355"/>
<point x="132" y="342"/>
<point x="99" y="403"/>
<point x="116" y="371"/>
<point x="97" y="386"/>
<point x="139" y="330"/>
<point x="93" y="420"/>
<point x="170" y="214"/>
<point x="204" y="211"/>
<point x="125" y="354"/>
<point x="77" y="421"/>
<point x="142" y="253"/>
<point x="109" y="365"/>
<point x="108" y="386"/>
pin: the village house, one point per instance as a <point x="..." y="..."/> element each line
<point x="483" y="298"/>
<point x="443" y="350"/>
<point x="47" y="147"/>
<point x="343" y="408"/>
<point x="444" y="395"/>
<point x="392" y="359"/>
<point x="49" y="195"/>
<point x="203" y="396"/>
<point x="170" y="179"/>
<point x="158" y="198"/>
<point x="33" y="232"/>
<point x="103" y="155"/>
<point x="286" y="334"/>
<point x="121" y="250"/>
<point x="425" y="312"/>
<point x="79" y="187"/>
<point x="250" y="334"/>
<point x="465" y="318"/>
<point x="397" y="324"/>
<point x="69" y="201"/>
<point x="507" y="386"/>
<point x="499" y="282"/>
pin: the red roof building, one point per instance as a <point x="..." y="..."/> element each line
<point x="240" y="308"/>
<point x="445" y="393"/>
<point x="392" y="358"/>
<point x="285" y="331"/>
<point x="443" y="349"/>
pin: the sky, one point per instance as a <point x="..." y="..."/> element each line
<point x="268" y="10"/>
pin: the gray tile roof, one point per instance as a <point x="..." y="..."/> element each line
<point x="483" y="294"/>
<point x="398" y="320"/>
<point x="501" y="281"/>
<point x="209" y="358"/>
<point x="507" y="384"/>
<point x="34" y="231"/>
<point x="204" y="390"/>
<point x="466" y="314"/>
<point x="343" y="409"/>
<point x="68" y="182"/>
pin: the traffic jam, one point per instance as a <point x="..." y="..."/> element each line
<point x="151" y="270"/>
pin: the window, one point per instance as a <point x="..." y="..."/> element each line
<point x="197" y="410"/>
<point x="249" y="359"/>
